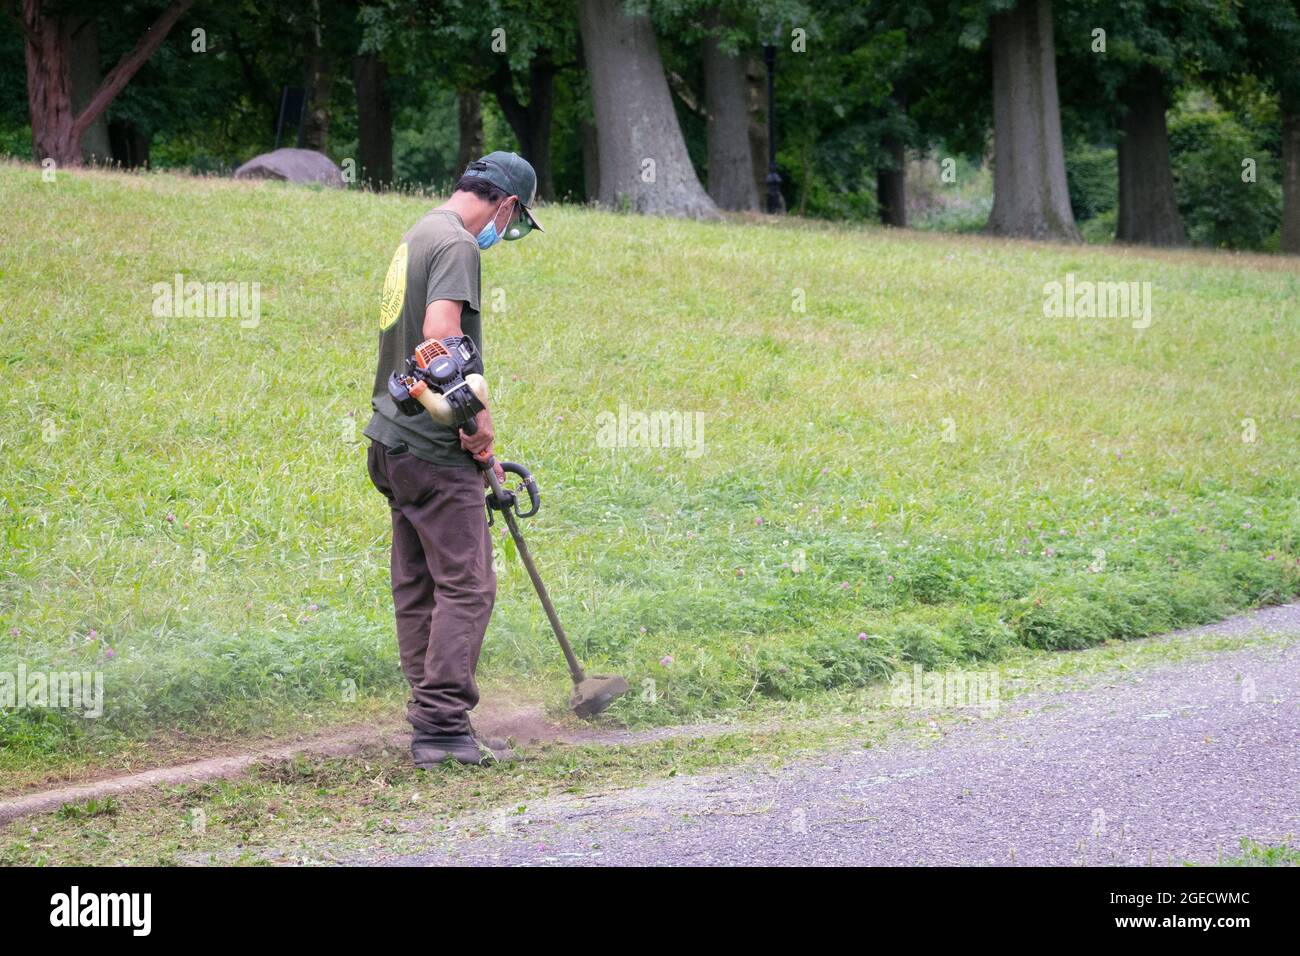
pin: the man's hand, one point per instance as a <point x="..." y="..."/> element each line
<point x="482" y="439"/>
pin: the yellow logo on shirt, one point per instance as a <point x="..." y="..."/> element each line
<point x="394" y="289"/>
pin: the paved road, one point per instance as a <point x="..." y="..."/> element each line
<point x="1160" y="765"/>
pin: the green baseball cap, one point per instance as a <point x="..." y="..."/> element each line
<point x="514" y="176"/>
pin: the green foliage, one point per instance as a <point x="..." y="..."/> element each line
<point x="833" y="112"/>
<point x="1092" y="176"/>
<point x="1219" y="207"/>
<point x="94" y="807"/>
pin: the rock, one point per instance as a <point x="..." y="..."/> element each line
<point x="294" y="166"/>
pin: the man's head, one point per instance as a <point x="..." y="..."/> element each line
<point x="507" y="184"/>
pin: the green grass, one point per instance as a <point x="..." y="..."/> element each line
<point x="1256" y="854"/>
<point x="191" y="495"/>
<point x="314" y="809"/>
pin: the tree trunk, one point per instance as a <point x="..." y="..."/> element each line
<point x="469" y="121"/>
<point x="315" y="132"/>
<point x="531" y="122"/>
<point x="56" y="131"/>
<point x="731" y="167"/>
<point x="374" y="120"/>
<point x="590" y="162"/>
<point x="590" y="151"/>
<point x="891" y="184"/>
<point x="85" y="80"/>
<point x="1030" y="197"/>
<point x="1148" y="212"/>
<point x="49" y="87"/>
<point x="756" y="98"/>
<point x="643" y="160"/>
<point x="1291" y="181"/>
<point x="129" y="146"/>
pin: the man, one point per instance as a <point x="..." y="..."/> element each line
<point x="443" y="582"/>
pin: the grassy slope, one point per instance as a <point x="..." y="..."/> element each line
<point x="823" y="435"/>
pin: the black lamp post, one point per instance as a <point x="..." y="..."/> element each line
<point x="773" y="177"/>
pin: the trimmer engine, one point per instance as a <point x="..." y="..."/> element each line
<point x="445" y="378"/>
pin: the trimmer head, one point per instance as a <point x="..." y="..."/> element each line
<point x="595" y="693"/>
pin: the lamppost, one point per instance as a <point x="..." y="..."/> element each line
<point x="773" y="177"/>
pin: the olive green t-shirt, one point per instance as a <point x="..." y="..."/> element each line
<point x="438" y="259"/>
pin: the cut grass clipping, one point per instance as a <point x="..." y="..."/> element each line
<point x="897" y="458"/>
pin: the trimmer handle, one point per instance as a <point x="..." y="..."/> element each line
<point x="534" y="496"/>
<point x="500" y="499"/>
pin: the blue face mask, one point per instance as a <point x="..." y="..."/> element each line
<point x="488" y="235"/>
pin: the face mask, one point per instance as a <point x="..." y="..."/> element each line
<point x="488" y="236"/>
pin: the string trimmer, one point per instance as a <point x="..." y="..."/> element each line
<point x="444" y="378"/>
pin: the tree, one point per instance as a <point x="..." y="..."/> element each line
<point x="1291" y="178"/>
<point x="513" y="49"/>
<point x="1272" y="43"/>
<point x="85" y="79"/>
<point x="1148" y="211"/>
<point x="1128" y="76"/>
<point x="469" y="125"/>
<point x="726" y="97"/>
<point x="530" y="120"/>
<point x="318" y="81"/>
<point x="57" y="128"/>
<point x="1030" y="197"/>
<point x="642" y="156"/>
<point x="374" y="119"/>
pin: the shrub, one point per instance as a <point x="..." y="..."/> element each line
<point x="1218" y="208"/>
<point x="1092" y="176"/>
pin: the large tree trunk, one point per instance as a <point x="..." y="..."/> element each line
<point x="85" y="80"/>
<point x="374" y="120"/>
<point x="469" y="122"/>
<point x="1148" y="212"/>
<point x="531" y="122"/>
<point x="56" y="131"/>
<point x="49" y="86"/>
<point x="1291" y="180"/>
<point x="1030" y="197"/>
<point x="731" y="167"/>
<point x="643" y="158"/>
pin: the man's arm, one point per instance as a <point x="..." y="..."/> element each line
<point x="442" y="319"/>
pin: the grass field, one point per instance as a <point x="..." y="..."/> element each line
<point x="903" y="459"/>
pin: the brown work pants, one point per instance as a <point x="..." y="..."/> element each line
<point x="443" y="582"/>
